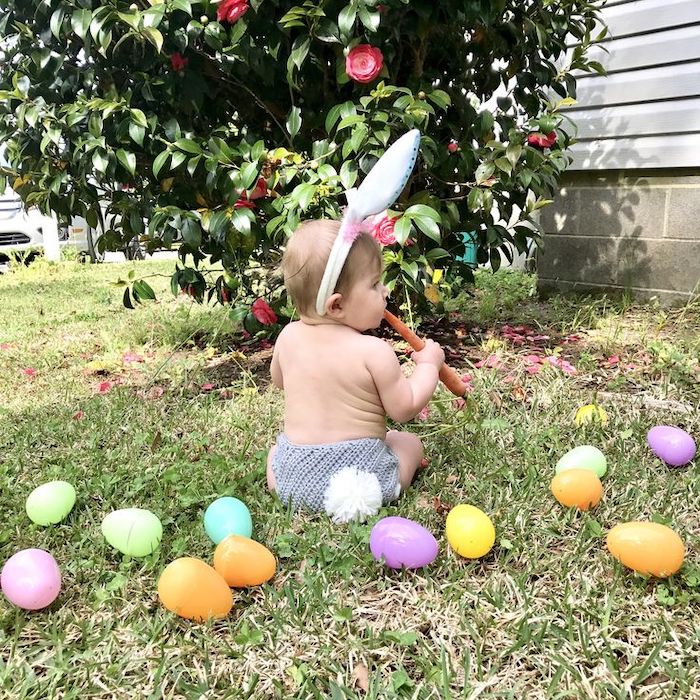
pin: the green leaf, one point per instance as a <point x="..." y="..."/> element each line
<point x="424" y="211"/>
<point x="248" y="175"/>
<point x="474" y="200"/>
<point x="428" y="227"/>
<point x="100" y="160"/>
<point x="293" y="123"/>
<point x="126" y="299"/>
<point x="144" y="290"/>
<point x="188" y="146"/>
<point x="80" y="22"/>
<point x="346" y="19"/>
<point x="159" y="162"/>
<point x="333" y="116"/>
<point x="300" y="50"/>
<point x="402" y="229"/>
<point x="369" y="19"/>
<point x="440" y="98"/>
<point x="348" y="174"/>
<point x="504" y="164"/>
<point x="136" y="132"/>
<point x="304" y="194"/>
<point x="513" y="152"/>
<point x="191" y="233"/>
<point x="154" y="36"/>
<point x="350" y="120"/>
<point x="57" y="21"/>
<point x="138" y="117"/>
<point x="127" y="159"/>
<point x="484" y="172"/>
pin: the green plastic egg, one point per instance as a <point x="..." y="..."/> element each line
<point x="49" y="503"/>
<point x="135" y="532"/>
<point x="584" y="457"/>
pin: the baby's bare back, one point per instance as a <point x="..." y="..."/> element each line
<point x="329" y="392"/>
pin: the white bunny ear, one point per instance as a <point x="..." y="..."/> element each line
<point x="386" y="180"/>
<point x="378" y="191"/>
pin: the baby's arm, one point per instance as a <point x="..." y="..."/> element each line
<point x="404" y="397"/>
<point x="275" y="369"/>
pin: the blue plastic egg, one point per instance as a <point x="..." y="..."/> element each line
<point x="227" y="516"/>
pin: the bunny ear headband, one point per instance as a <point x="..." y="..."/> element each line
<point x="378" y="191"/>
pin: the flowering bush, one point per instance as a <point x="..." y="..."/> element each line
<point x="219" y="126"/>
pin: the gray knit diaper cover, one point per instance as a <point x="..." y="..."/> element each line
<point x="350" y="479"/>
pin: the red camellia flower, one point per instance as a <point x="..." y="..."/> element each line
<point x="364" y="63"/>
<point x="231" y="10"/>
<point x="243" y="201"/>
<point x="263" y="312"/>
<point x="452" y="147"/>
<point x="383" y="229"/>
<point x="542" y="140"/>
<point x="260" y="189"/>
<point x="178" y="62"/>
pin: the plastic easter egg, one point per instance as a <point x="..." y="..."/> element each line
<point x="135" y="532"/>
<point x="591" y="413"/>
<point x="580" y="488"/>
<point x="649" y="548"/>
<point x="671" y="444"/>
<point x="31" y="579"/>
<point x="227" y="516"/>
<point x="402" y="543"/>
<point x="49" y="503"/>
<point x="584" y="457"/>
<point x="244" y="562"/>
<point x="469" y="531"/>
<point x="192" y="589"/>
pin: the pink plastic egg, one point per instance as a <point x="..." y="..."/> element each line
<point x="673" y="445"/>
<point x="31" y="579"/>
<point x="400" y="542"/>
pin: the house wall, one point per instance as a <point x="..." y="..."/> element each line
<point x="628" y="214"/>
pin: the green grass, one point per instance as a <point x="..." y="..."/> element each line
<point x="547" y="614"/>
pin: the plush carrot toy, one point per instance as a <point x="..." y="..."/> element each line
<point x="448" y="376"/>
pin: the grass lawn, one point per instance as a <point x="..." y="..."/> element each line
<point x="154" y="408"/>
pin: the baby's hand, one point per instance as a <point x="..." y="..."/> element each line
<point x="432" y="353"/>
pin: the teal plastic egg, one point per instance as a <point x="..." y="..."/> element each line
<point x="49" y="503"/>
<point x="135" y="532"/>
<point x="227" y="516"/>
<point x="584" y="457"/>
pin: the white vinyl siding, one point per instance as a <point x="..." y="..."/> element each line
<point x="646" y="112"/>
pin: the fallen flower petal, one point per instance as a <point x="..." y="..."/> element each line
<point x="533" y="369"/>
<point x="207" y="387"/>
<point x="29" y="371"/>
<point x="423" y="413"/>
<point x="104" y="387"/>
<point x="78" y="415"/>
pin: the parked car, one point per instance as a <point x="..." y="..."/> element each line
<point x="22" y="231"/>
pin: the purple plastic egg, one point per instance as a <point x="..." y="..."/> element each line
<point x="673" y="445"/>
<point x="400" y="542"/>
<point x="31" y="579"/>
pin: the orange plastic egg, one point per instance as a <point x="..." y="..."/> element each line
<point x="191" y="588"/>
<point x="649" y="548"/>
<point x="244" y="562"/>
<point x="580" y="488"/>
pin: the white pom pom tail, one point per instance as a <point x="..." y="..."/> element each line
<point x="352" y="494"/>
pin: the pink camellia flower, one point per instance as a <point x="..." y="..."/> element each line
<point x="231" y="10"/>
<point x="452" y="146"/>
<point x="423" y="413"/>
<point x="364" y="63"/>
<point x="178" y="61"/>
<point x="542" y="140"/>
<point x="29" y="371"/>
<point x="263" y="312"/>
<point x="128" y="357"/>
<point x="383" y="229"/>
<point x="260" y="189"/>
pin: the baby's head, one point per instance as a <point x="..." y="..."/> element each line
<point x="304" y="262"/>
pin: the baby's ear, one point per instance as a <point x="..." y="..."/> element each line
<point x="334" y="305"/>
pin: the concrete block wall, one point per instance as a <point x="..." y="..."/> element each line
<point x="620" y="230"/>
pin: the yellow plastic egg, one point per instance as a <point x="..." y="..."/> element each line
<point x="244" y="562"/>
<point x="580" y="488"/>
<point x="469" y="531"/>
<point x="191" y="588"/>
<point x="648" y="548"/>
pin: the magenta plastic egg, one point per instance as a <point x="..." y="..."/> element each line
<point x="673" y="445"/>
<point x="31" y="579"/>
<point x="402" y="543"/>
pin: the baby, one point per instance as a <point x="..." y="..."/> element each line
<point x="335" y="453"/>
